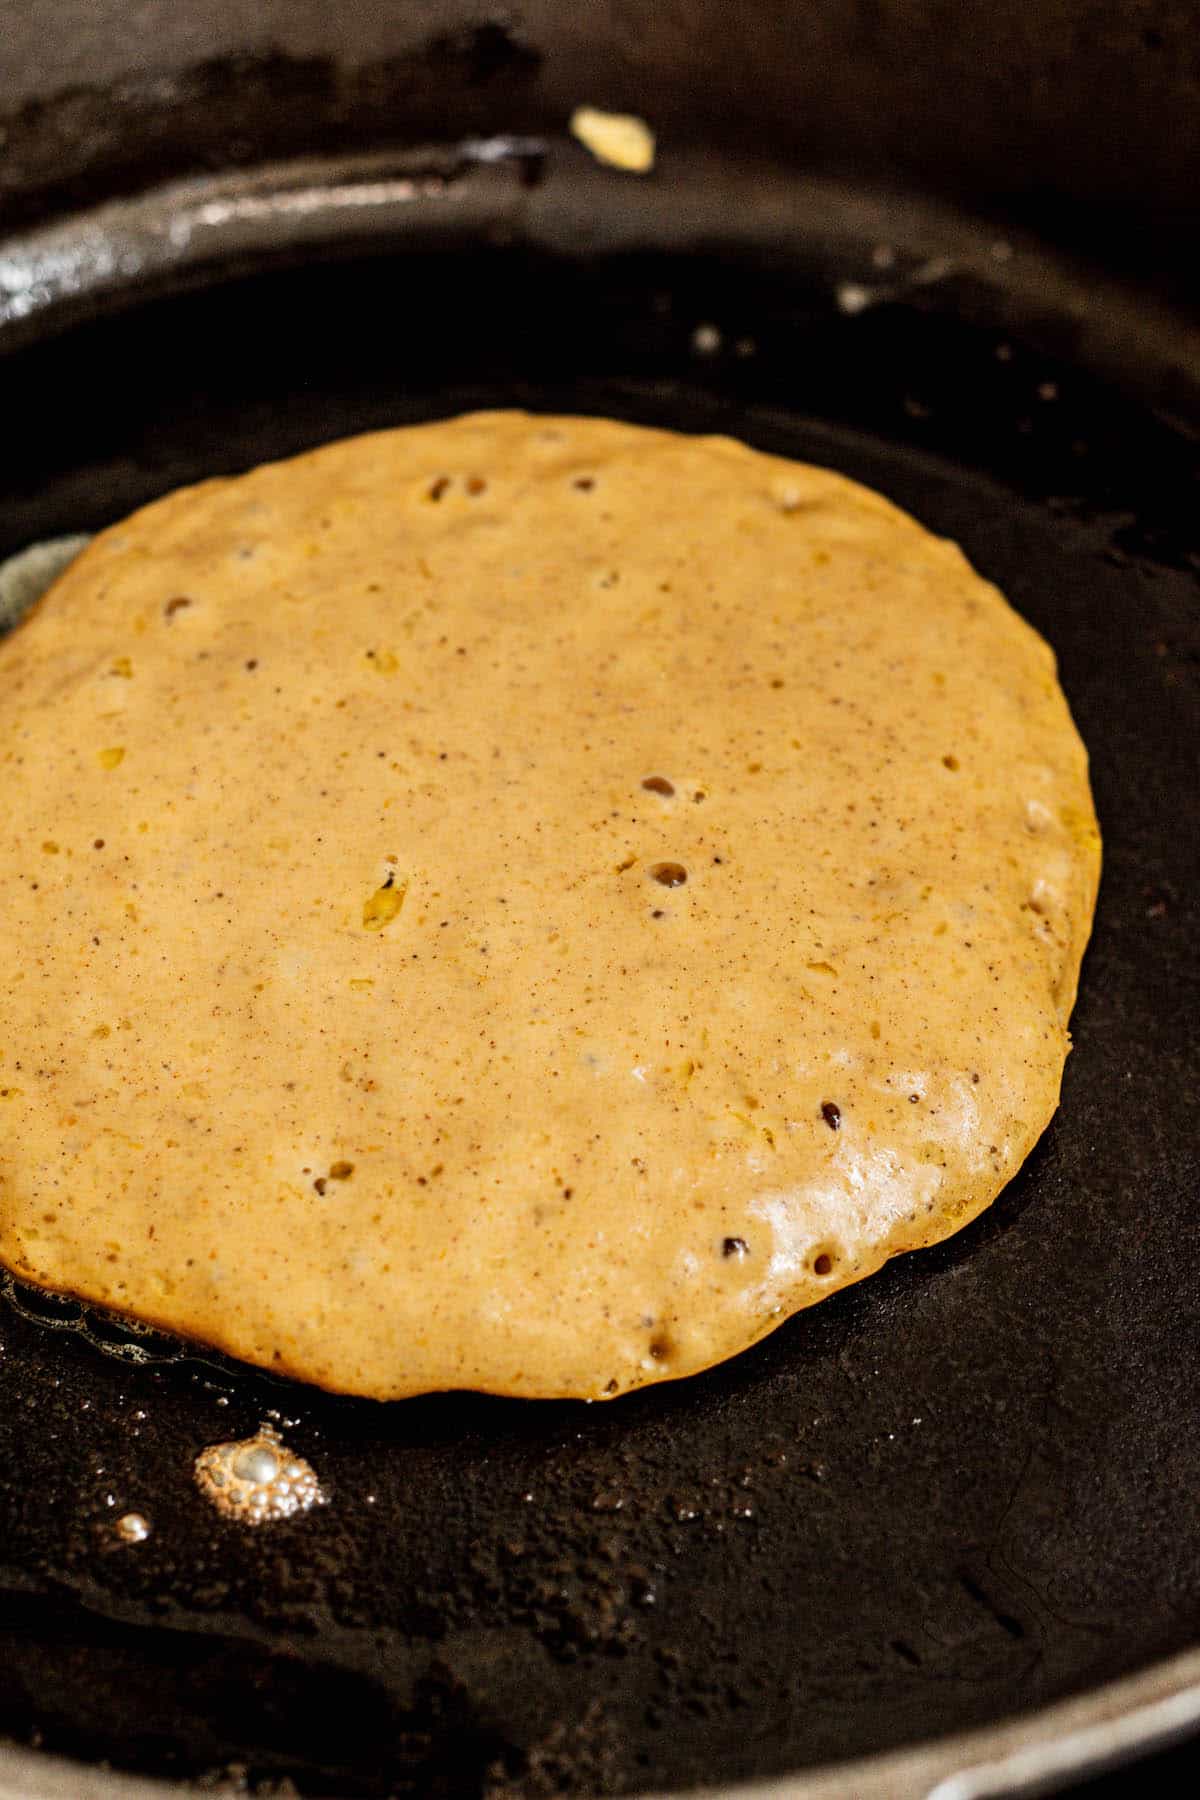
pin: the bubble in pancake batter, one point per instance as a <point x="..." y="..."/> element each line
<point x="257" y="1479"/>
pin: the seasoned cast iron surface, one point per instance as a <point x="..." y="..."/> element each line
<point x="966" y="1487"/>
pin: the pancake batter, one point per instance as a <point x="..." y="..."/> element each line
<point x="522" y="904"/>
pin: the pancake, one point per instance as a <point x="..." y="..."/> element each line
<point x="523" y="904"/>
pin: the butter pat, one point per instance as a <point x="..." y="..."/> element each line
<point x="621" y="140"/>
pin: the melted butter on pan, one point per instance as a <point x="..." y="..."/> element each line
<point x="122" y="1338"/>
<point x="257" y="1480"/>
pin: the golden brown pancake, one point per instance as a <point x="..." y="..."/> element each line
<point x="522" y="904"/>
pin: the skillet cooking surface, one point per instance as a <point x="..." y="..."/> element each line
<point x="965" y="1488"/>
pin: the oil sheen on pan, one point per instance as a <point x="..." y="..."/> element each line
<point x="523" y="904"/>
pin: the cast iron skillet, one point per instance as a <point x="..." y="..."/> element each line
<point x="934" y="1505"/>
